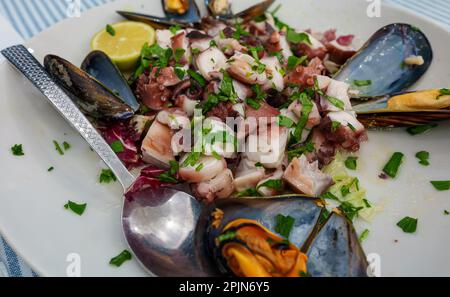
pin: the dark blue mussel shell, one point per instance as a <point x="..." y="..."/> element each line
<point x="99" y="65"/>
<point x="381" y="60"/>
<point x="330" y="242"/>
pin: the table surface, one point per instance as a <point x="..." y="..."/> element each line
<point x="23" y="19"/>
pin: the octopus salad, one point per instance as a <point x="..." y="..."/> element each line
<point x="242" y="105"/>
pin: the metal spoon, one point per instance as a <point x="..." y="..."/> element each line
<point x="159" y="224"/>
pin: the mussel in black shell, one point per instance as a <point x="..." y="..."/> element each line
<point x="94" y="98"/>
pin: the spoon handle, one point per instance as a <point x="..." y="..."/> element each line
<point x="26" y="63"/>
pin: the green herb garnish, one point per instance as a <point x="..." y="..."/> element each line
<point x="175" y="29"/>
<point x="121" y="258"/>
<point x="335" y="125"/>
<point x="307" y="107"/>
<point x="416" y="130"/>
<point x="297" y="152"/>
<point x="110" y="29"/>
<point x="180" y="73"/>
<point x="293" y="61"/>
<point x="423" y="157"/>
<point x="179" y="52"/>
<point x="276" y="184"/>
<point x="363" y="235"/>
<point x="408" y="224"/>
<point x="199" y="167"/>
<point x="351" y="163"/>
<point x="248" y="193"/>
<point x="66" y="145"/>
<point x="285" y="121"/>
<point x="253" y="103"/>
<point x="446" y="212"/>
<point x="50" y="169"/>
<point x="443" y="92"/>
<point x="392" y="166"/>
<point x="17" y="150"/>
<point x="169" y="176"/>
<point x="443" y="185"/>
<point x="107" y="176"/>
<point x="198" y="77"/>
<point x="192" y="159"/>
<point x="284" y="225"/>
<point x="349" y="210"/>
<point x="329" y="195"/>
<point x="296" y="38"/>
<point x="117" y="146"/>
<point x="75" y="207"/>
<point x="195" y="51"/>
<point x="362" y="83"/>
<point x="58" y="147"/>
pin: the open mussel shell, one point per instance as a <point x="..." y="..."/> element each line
<point x="404" y="109"/>
<point x="382" y="61"/>
<point x="329" y="241"/>
<point x="91" y="96"/>
<point x="188" y="19"/>
<point x="221" y="9"/>
<point x="98" y="65"/>
<point x="254" y="11"/>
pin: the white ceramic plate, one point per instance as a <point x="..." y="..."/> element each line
<point x="34" y="222"/>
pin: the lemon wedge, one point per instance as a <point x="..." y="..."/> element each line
<point x="123" y="42"/>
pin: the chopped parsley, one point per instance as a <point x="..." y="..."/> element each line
<point x="248" y="193"/>
<point x="259" y="93"/>
<point x="179" y="52"/>
<point x="423" y="157"/>
<point x="362" y="83"/>
<point x="239" y="32"/>
<point x="392" y="166"/>
<point x="191" y="159"/>
<point x="335" y="125"/>
<point x="307" y="107"/>
<point x="351" y="163"/>
<point x="107" y="176"/>
<point x="110" y="29"/>
<point x="349" y="210"/>
<point x="175" y="29"/>
<point x="75" y="207"/>
<point x="297" y="152"/>
<point x="66" y="145"/>
<point x="199" y="167"/>
<point x="416" y="130"/>
<point x="284" y="225"/>
<point x="258" y="67"/>
<point x="58" y="147"/>
<point x="443" y="92"/>
<point x="285" y="121"/>
<point x="363" y="235"/>
<point x="276" y="184"/>
<point x="17" y="150"/>
<point x="180" y="72"/>
<point x="117" y="146"/>
<point x="195" y="51"/>
<point x="443" y="185"/>
<point x="170" y="176"/>
<point x="294" y="37"/>
<point x="294" y="61"/>
<point x="121" y="258"/>
<point x="408" y="224"/>
<point x="253" y="103"/>
<point x="198" y="77"/>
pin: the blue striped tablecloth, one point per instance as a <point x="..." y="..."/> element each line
<point x="29" y="17"/>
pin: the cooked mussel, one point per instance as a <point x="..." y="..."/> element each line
<point x="172" y="8"/>
<point x="219" y="7"/>
<point x="391" y="61"/>
<point x="405" y="109"/>
<point x="240" y="239"/>
<point x="91" y="96"/>
<point x="176" y="6"/>
<point x="99" y="65"/>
